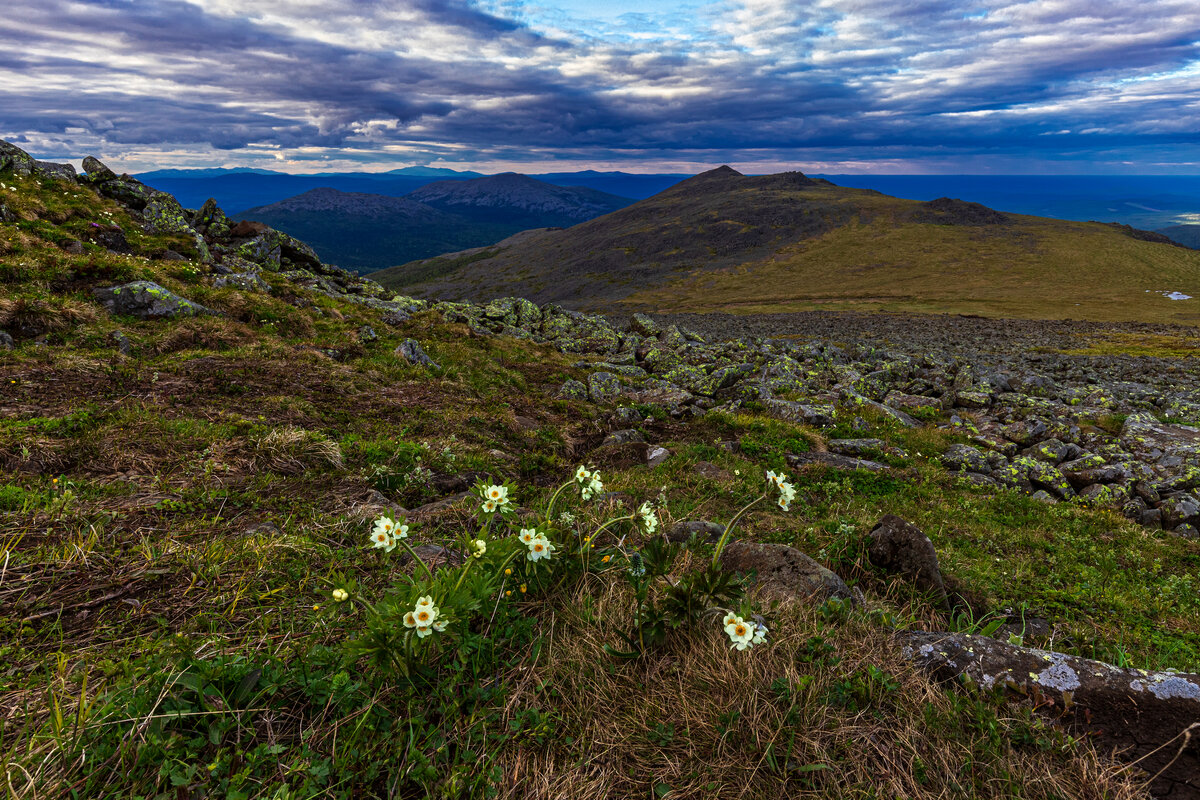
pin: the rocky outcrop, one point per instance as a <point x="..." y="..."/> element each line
<point x="1144" y="715"/>
<point x="14" y="159"/>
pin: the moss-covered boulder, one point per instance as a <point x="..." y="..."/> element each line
<point x="147" y="300"/>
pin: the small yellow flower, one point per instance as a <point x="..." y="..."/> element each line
<point x="508" y="592"/>
<point x="605" y="559"/>
<point x="508" y="572"/>
<point x="523" y="588"/>
<point x="316" y="607"/>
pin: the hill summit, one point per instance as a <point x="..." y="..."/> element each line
<point x="723" y="241"/>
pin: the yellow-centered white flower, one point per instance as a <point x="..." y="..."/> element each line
<point x="480" y="547"/>
<point x="539" y="548"/>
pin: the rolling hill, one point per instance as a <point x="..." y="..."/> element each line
<point x="722" y="241"/>
<point x="364" y="231"/>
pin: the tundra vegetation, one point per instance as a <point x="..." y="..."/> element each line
<point x="311" y="542"/>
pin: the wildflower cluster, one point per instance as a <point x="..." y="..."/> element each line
<point x="743" y="634"/>
<point x="539" y="545"/>
<point x="425" y="618"/>
<point x="787" y="493"/>
<point x="589" y="483"/>
<point x="387" y="533"/>
<point x="495" y="498"/>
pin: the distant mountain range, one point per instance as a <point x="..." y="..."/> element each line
<point x="723" y="241"/>
<point x="1187" y="235"/>
<point x="246" y="188"/>
<point x="365" y="231"/>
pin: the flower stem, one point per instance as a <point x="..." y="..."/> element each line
<point x="554" y="499"/>
<point x="733" y="522"/>
<point x="413" y="553"/>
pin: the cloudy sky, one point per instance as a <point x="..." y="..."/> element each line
<point x="900" y="86"/>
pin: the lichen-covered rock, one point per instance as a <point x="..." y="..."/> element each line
<point x="1131" y="712"/>
<point x="964" y="458"/>
<point x="699" y="529"/>
<point x="644" y="325"/>
<point x="6" y="341"/>
<point x="857" y="447"/>
<point x="603" y="387"/>
<point x="14" y="159"/>
<point x="412" y="352"/>
<point x="622" y="437"/>
<point x="246" y="281"/>
<point x="818" y="415"/>
<point x="900" y="548"/>
<point x="784" y="570"/>
<point x="147" y="300"/>
<point x="61" y="172"/>
<point x="833" y="460"/>
<point x="573" y="390"/>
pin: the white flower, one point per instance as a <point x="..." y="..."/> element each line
<point x="439" y="625"/>
<point x="489" y="506"/>
<point x="540" y="548"/>
<point x="384" y="525"/>
<point x="593" y="487"/>
<point x="527" y="535"/>
<point x="582" y="475"/>
<point x="772" y="477"/>
<point x="480" y="547"/>
<point x="410" y="620"/>
<point x="381" y="539"/>
<point x="496" y="494"/>
<point x="648" y="519"/>
<point x="760" y="634"/>
<point x="401" y="532"/>
<point x="425" y="615"/>
<point x="740" y="632"/>
<point x="424" y="630"/>
<point x="730" y="619"/>
<point x="340" y="595"/>
<point x="426" y="601"/>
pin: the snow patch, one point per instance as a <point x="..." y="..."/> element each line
<point x="1170" y="295"/>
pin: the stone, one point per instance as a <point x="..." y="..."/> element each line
<point x="900" y="548"/>
<point x="964" y="458"/>
<point x="833" y="460"/>
<point x="603" y="387"/>
<point x="147" y="300"/>
<point x="784" y="570"/>
<point x="1100" y="495"/>
<point x="411" y="351"/>
<point x="707" y="469"/>
<point x="14" y="159"/>
<point x="817" y="415"/>
<point x="622" y="437"/>
<point x="367" y="334"/>
<point x="573" y="390"/>
<point x="1135" y="714"/>
<point x="857" y="447"/>
<point x="656" y="455"/>
<point x="246" y="281"/>
<point x="700" y="530"/>
<point x="1178" y="509"/>
<point x="122" y="342"/>
<point x="6" y="341"/>
<point x="1186" y="531"/>
<point x="644" y="325"/>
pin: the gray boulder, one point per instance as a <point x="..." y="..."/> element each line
<point x="784" y="570"/>
<point x="147" y="300"/>
<point x="573" y="390"/>
<point x="1137" y="714"/>
<point x="603" y="386"/>
<point x="412" y="352"/>
<point x="900" y="548"/>
<point x="701" y="529"/>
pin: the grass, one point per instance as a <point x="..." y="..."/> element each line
<point x="1034" y="269"/>
<point x="175" y="521"/>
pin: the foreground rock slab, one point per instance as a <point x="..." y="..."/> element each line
<point x="1143" y="715"/>
<point x="784" y="570"/>
<point x="147" y="300"/>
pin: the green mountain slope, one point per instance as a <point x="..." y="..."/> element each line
<point x="724" y="241"/>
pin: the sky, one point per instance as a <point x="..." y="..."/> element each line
<point x="828" y="86"/>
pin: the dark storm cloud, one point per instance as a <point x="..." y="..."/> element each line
<point x="768" y="76"/>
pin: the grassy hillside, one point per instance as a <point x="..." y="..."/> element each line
<point x="182" y="500"/>
<point x="784" y="243"/>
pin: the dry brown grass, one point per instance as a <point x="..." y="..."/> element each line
<point x="27" y="316"/>
<point x="207" y="333"/>
<point x="732" y="730"/>
<point x="291" y="451"/>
